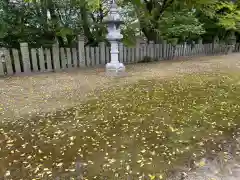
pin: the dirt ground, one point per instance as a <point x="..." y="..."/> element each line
<point x="47" y="92"/>
<point x="40" y="93"/>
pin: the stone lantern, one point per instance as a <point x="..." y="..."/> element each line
<point x="114" y="35"/>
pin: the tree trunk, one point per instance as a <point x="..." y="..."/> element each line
<point x="86" y="25"/>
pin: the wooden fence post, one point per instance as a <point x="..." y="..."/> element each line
<point x="124" y="54"/>
<point x="69" y="58"/>
<point x="102" y="53"/>
<point x="25" y="57"/>
<point x="49" y="60"/>
<point x="164" y="46"/>
<point x="200" y="46"/>
<point x="129" y="55"/>
<point x="92" y="56"/>
<point x="16" y="61"/>
<point x="34" y="60"/>
<point x="215" y="44"/>
<point x="8" y="61"/>
<point x="75" y="57"/>
<point x="41" y="59"/>
<point x="133" y="55"/>
<point x="88" y="58"/>
<point x="56" y="57"/>
<point x="151" y="49"/>
<point x="232" y="42"/>
<point x="121" y="52"/>
<point x="97" y="55"/>
<point x="1" y="64"/>
<point x="81" y="51"/>
<point x="185" y="49"/>
<point x="157" y="49"/>
<point x="138" y="50"/>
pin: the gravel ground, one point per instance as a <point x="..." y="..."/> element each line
<point x="23" y="95"/>
<point x="38" y="93"/>
<point x="223" y="166"/>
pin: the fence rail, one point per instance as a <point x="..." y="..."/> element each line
<point x="24" y="60"/>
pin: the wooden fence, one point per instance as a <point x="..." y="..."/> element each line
<point x="25" y="60"/>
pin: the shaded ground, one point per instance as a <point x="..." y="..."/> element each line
<point x="47" y="92"/>
<point x="147" y="127"/>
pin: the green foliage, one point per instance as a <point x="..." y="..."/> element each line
<point x="169" y="19"/>
<point x="129" y="38"/>
<point x="180" y="24"/>
<point x="230" y="15"/>
<point x="225" y="14"/>
<point x="3" y="23"/>
<point x="43" y="21"/>
<point x="173" y="41"/>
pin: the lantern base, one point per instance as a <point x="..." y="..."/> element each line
<point x="115" y="69"/>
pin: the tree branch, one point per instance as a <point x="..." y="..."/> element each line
<point x="165" y="5"/>
<point x="93" y="18"/>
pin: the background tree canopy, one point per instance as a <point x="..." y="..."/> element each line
<point x="42" y="22"/>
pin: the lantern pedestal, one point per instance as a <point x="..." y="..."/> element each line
<point x="114" y="68"/>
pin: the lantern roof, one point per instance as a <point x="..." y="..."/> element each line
<point x="113" y="16"/>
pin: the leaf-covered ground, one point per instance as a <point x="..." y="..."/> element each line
<point x="148" y="128"/>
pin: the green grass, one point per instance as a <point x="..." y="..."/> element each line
<point x="149" y="127"/>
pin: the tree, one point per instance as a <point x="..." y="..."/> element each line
<point x="166" y="19"/>
<point x="220" y="19"/>
<point x="171" y="19"/>
<point x="41" y="22"/>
